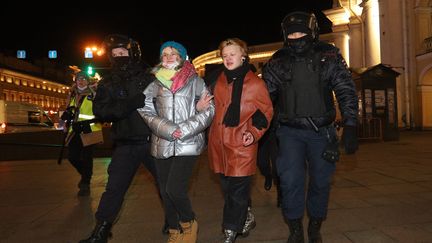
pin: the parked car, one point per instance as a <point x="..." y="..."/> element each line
<point x="23" y="117"/>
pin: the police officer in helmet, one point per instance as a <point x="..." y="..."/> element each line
<point x="119" y="95"/>
<point x="302" y="77"/>
<point x="122" y="60"/>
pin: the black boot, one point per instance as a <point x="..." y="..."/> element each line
<point x="84" y="190"/>
<point x="84" y="187"/>
<point x="165" y="228"/>
<point x="314" y="227"/>
<point x="296" y="231"/>
<point x="100" y="234"/>
<point x="268" y="182"/>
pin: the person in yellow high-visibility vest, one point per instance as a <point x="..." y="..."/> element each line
<point x="80" y="116"/>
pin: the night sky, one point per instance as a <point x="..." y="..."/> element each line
<point x="69" y="29"/>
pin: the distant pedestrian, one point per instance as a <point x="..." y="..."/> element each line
<point x="80" y="116"/>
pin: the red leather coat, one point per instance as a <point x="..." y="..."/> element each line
<point x="226" y="152"/>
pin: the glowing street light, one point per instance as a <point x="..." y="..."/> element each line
<point x="90" y="51"/>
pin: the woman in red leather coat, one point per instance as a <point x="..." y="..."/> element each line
<point x="243" y="114"/>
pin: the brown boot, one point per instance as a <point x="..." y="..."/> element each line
<point x="190" y="231"/>
<point x="175" y="236"/>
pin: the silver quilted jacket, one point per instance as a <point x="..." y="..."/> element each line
<point x="165" y="111"/>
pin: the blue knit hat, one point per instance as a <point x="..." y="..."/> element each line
<point x="179" y="47"/>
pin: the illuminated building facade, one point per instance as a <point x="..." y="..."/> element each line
<point x="28" y="86"/>
<point x="394" y="33"/>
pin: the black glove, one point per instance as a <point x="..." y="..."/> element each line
<point x="259" y="120"/>
<point x="137" y="101"/>
<point x="68" y="114"/>
<point x="76" y="127"/>
<point x="81" y="127"/>
<point x="349" y="139"/>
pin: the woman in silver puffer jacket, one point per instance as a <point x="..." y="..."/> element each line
<point x="178" y="109"/>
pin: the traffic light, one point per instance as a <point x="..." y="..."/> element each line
<point x="90" y="70"/>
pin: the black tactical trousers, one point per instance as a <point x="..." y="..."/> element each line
<point x="121" y="171"/>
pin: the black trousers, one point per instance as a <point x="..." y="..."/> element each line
<point x="174" y="174"/>
<point x="121" y="171"/>
<point x="236" y="192"/>
<point x="81" y="158"/>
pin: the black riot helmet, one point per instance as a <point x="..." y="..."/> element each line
<point x="300" y="21"/>
<point x="116" y="41"/>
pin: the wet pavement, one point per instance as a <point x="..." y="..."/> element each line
<point x="381" y="194"/>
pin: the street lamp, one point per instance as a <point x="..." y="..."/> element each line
<point x="90" y="51"/>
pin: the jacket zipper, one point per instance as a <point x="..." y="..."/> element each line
<point x="175" y="141"/>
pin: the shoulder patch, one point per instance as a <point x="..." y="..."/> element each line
<point x="344" y="63"/>
<point x="330" y="54"/>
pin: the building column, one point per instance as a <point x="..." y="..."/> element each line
<point x="355" y="44"/>
<point x="371" y="20"/>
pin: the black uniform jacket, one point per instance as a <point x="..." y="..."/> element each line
<point x="116" y="102"/>
<point x="333" y="70"/>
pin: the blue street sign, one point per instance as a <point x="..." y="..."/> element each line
<point x="52" y="54"/>
<point x="88" y="54"/>
<point x="21" y="54"/>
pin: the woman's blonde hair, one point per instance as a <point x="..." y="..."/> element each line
<point x="234" y="41"/>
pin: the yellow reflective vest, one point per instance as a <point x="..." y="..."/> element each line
<point x="85" y="112"/>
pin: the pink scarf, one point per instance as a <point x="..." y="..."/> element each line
<point x="180" y="78"/>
